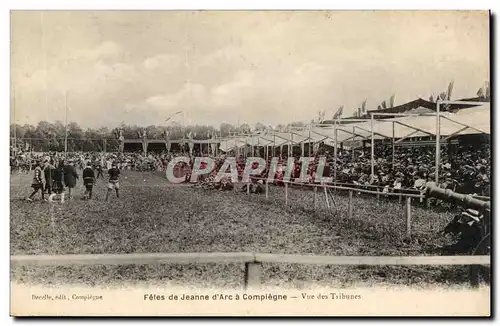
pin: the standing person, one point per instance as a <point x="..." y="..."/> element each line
<point x="70" y="177"/>
<point x="57" y="182"/>
<point x="37" y="183"/>
<point x="48" y="170"/>
<point x="88" y="180"/>
<point x="113" y="183"/>
<point x="99" y="170"/>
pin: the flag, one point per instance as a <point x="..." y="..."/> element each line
<point x="480" y="92"/>
<point x="339" y="112"/>
<point x="391" y="101"/>
<point x="363" y="106"/>
<point x="384" y="104"/>
<point x="316" y="147"/>
<point x="450" y="90"/>
<point x="173" y="115"/>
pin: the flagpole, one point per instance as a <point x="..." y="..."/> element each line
<point x="66" y="124"/>
<point x="310" y="141"/>
<point x="14" y="116"/>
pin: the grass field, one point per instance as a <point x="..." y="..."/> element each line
<point x="154" y="216"/>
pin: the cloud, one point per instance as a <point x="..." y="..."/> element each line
<point x="272" y="67"/>
<point x="162" y="62"/>
<point x="102" y="51"/>
<point x="189" y="95"/>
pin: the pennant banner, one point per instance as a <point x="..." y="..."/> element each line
<point x="191" y="146"/>
<point x="316" y="147"/>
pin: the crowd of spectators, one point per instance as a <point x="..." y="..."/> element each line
<point x="466" y="170"/>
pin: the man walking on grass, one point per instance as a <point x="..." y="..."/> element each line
<point x="48" y="171"/>
<point x="37" y="183"/>
<point x="113" y="183"/>
<point x="99" y="170"/>
<point x="57" y="182"/>
<point x="70" y="177"/>
<point x="88" y="180"/>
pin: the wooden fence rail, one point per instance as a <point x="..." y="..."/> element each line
<point x="407" y="210"/>
<point x="253" y="261"/>
<point x="407" y="203"/>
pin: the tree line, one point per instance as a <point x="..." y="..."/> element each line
<point x="47" y="136"/>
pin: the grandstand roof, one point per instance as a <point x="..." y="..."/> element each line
<point x="416" y="106"/>
<point x="474" y="120"/>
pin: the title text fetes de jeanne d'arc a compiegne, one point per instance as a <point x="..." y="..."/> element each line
<point x="214" y="297"/>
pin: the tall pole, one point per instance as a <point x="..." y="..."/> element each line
<point x="66" y="123"/>
<point x="14" y="116"/>
<point x="274" y="143"/>
<point x="310" y="143"/>
<point x="393" y="145"/>
<point x="335" y="152"/>
<point x="353" y="142"/>
<point x="438" y="145"/>
<point x="372" y="145"/>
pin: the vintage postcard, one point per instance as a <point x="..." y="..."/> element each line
<point x="250" y="163"/>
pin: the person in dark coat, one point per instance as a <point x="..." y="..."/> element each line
<point x="99" y="170"/>
<point x="88" y="180"/>
<point x="70" y="177"/>
<point x="57" y="181"/>
<point x="48" y="171"/>
<point x="113" y="182"/>
<point x="37" y="183"/>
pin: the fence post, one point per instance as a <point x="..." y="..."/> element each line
<point x="286" y="193"/>
<point x="474" y="276"/>
<point x="378" y="194"/>
<point x="350" y="203"/>
<point x="408" y="216"/>
<point x="326" y="197"/>
<point x="252" y="275"/>
<point x="267" y="190"/>
<point x="315" y="195"/>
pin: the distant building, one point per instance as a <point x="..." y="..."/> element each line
<point x="418" y="106"/>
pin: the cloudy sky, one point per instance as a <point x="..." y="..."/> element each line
<point x="271" y="67"/>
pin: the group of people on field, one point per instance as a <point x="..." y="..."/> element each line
<point x="57" y="177"/>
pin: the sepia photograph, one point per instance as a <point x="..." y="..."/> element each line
<point x="250" y="163"/>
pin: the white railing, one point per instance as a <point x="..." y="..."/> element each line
<point x="253" y="261"/>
